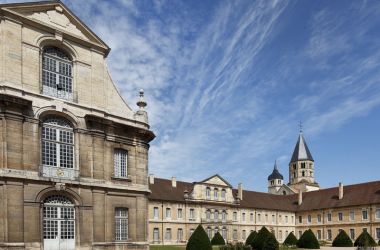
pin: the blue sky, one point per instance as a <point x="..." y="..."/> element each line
<point x="227" y="83"/>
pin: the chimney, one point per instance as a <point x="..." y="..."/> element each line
<point x="340" y="190"/>
<point x="186" y="194"/>
<point x="240" y="191"/>
<point x="174" y="182"/>
<point x="151" y="179"/>
<point x="299" y="197"/>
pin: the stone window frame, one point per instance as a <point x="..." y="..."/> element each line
<point x="119" y="218"/>
<point x="70" y="53"/>
<point x="117" y="168"/>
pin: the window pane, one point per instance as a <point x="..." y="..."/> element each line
<point x="121" y="224"/>
<point x="120" y="163"/>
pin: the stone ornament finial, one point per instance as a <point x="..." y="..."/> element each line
<point x="141" y="103"/>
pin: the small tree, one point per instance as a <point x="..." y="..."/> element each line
<point x="199" y="240"/>
<point x="291" y="240"/>
<point x="342" y="240"/>
<point x="217" y="240"/>
<point x="270" y="243"/>
<point x="365" y="240"/>
<point x="308" y="240"/>
<point x="250" y="238"/>
<point x="258" y="241"/>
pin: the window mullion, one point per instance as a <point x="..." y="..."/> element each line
<point x="58" y="148"/>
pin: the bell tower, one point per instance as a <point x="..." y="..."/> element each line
<point x="275" y="180"/>
<point x="301" y="167"/>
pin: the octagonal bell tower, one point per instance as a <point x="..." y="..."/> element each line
<point x="301" y="167"/>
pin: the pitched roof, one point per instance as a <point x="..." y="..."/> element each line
<point x="354" y="195"/>
<point x="301" y="151"/>
<point x="275" y="174"/>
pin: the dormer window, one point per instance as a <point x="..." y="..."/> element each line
<point x="57" y="80"/>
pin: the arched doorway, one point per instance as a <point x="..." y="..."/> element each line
<point x="58" y="223"/>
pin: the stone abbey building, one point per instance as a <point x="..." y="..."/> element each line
<point x="73" y="154"/>
<point x="176" y="208"/>
<point x="74" y="158"/>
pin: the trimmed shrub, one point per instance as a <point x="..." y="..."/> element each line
<point x="217" y="240"/>
<point x="250" y="238"/>
<point x="365" y="240"/>
<point x="291" y="240"/>
<point x="258" y="241"/>
<point x="342" y="240"/>
<point x="308" y="240"/>
<point x="378" y="243"/>
<point x="199" y="240"/>
<point x="271" y="243"/>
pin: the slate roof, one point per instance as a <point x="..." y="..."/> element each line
<point x="354" y="195"/>
<point x="301" y="151"/>
<point x="275" y="174"/>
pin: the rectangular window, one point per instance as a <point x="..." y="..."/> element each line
<point x="364" y="214"/>
<point x="234" y="235"/>
<point x="340" y="216"/>
<point x="121" y="224"/>
<point x="191" y="232"/>
<point x="299" y="219"/>
<point x="352" y="215"/>
<point x="259" y="217"/>
<point x="299" y="234"/>
<point x="180" y="235"/>
<point x="364" y="229"/>
<point x="243" y="235"/>
<point x="251" y="217"/>
<point x="378" y="233"/>
<point x="156" y="235"/>
<point x="235" y="216"/>
<point x="319" y="234"/>
<point x="191" y="216"/>
<point x="273" y="218"/>
<point x="329" y="217"/>
<point x="224" y="233"/>
<point x="155" y="212"/>
<point x="319" y="218"/>
<point x="352" y="234"/>
<point x="329" y="234"/>
<point x="280" y="235"/>
<point x="179" y="213"/>
<point x="266" y="218"/>
<point x="378" y="213"/>
<point x="243" y="216"/>
<point x="120" y="163"/>
<point x="286" y="219"/>
<point x="309" y="219"/>
<point x="168" y="234"/>
<point x="168" y="213"/>
<point x="279" y="219"/>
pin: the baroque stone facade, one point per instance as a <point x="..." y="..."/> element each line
<point x="73" y="154"/>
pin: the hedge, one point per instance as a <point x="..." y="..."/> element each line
<point x="271" y="243"/>
<point x="237" y="246"/>
<point x="217" y="240"/>
<point x="258" y="241"/>
<point x="342" y="240"/>
<point x="365" y="240"/>
<point x="250" y="238"/>
<point x="308" y="240"/>
<point x="291" y="240"/>
<point x="199" y="240"/>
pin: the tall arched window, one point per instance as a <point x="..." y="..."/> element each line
<point x="208" y="193"/>
<point x="57" y="77"/>
<point x="216" y="194"/>
<point x="223" y="194"/>
<point x="57" y="148"/>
